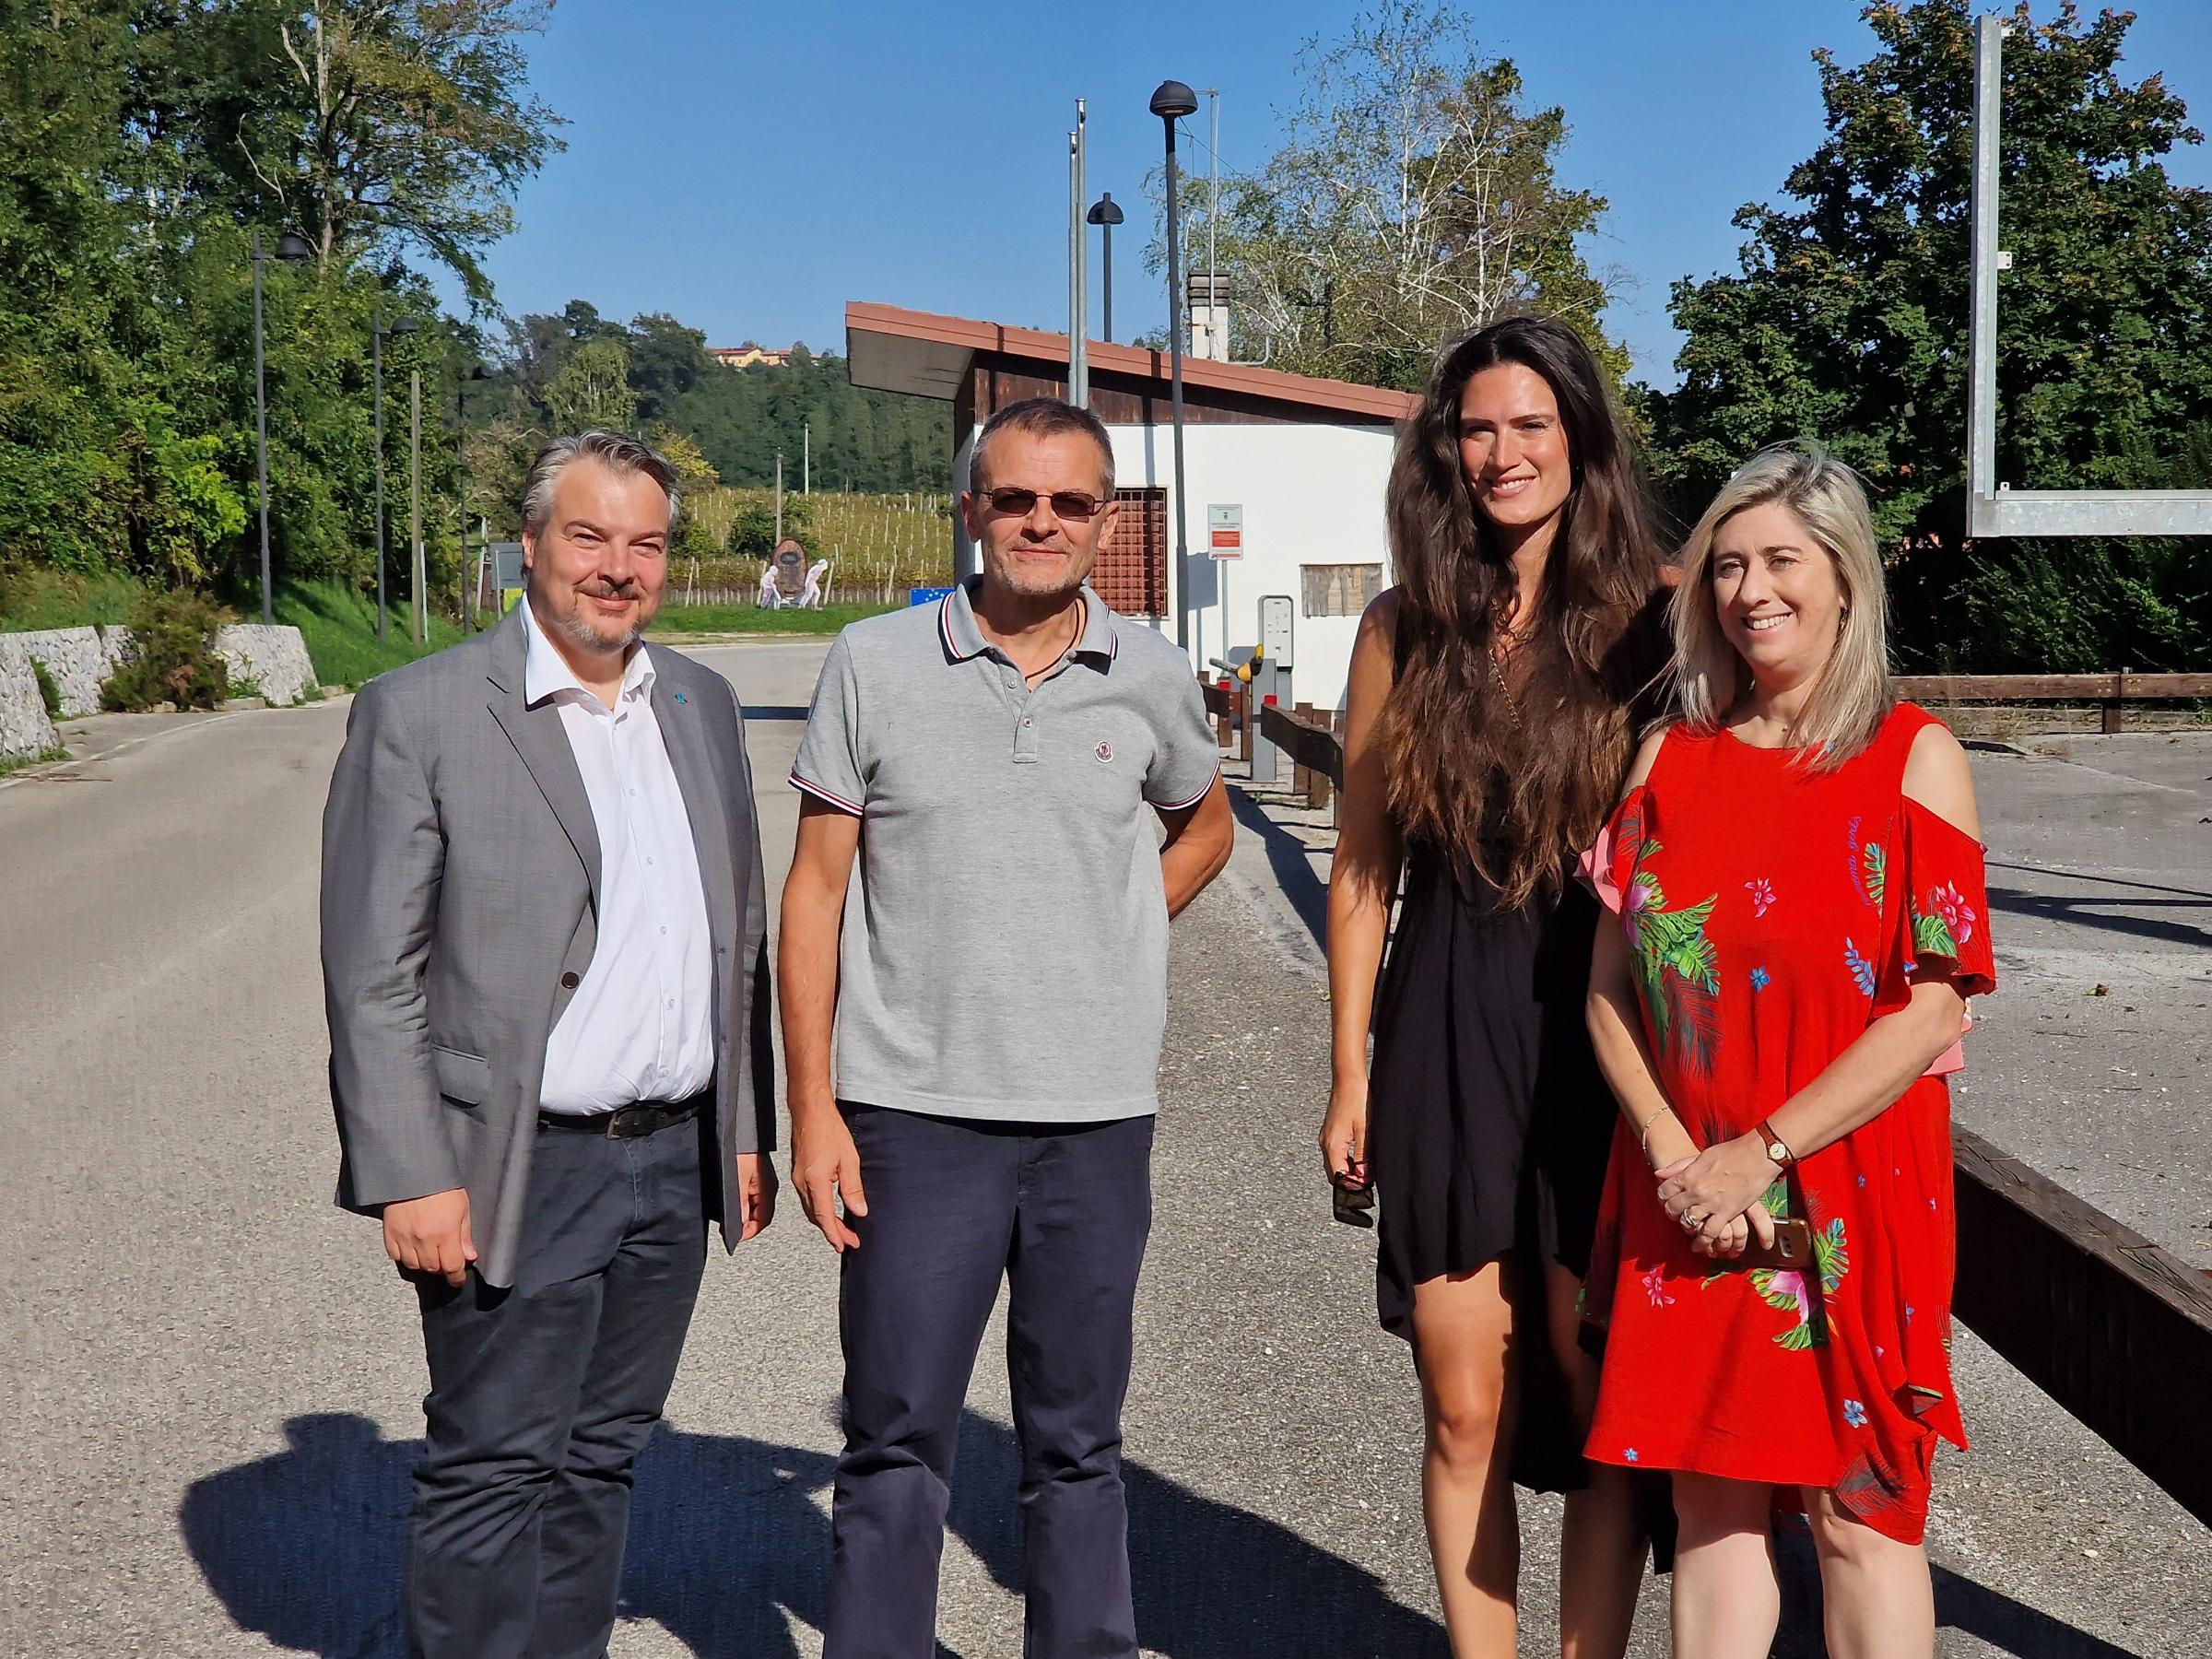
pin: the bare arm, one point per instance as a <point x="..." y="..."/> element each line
<point x="1867" y="1078"/>
<point x="1363" y="877"/>
<point x="823" y="1162"/>
<point x="1199" y="838"/>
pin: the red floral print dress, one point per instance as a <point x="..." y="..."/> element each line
<point x="1771" y="912"/>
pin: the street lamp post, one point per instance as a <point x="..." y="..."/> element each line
<point x="1171" y="102"/>
<point x="475" y="372"/>
<point x="401" y="326"/>
<point x="292" y="249"/>
<point x="1106" y="214"/>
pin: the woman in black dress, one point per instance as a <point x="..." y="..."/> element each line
<point x="1488" y="726"/>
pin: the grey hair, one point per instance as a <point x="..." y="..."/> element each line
<point x="618" y="451"/>
<point x="1853" y="696"/>
<point x="1044" y="418"/>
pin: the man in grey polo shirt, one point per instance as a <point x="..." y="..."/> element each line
<point x="979" y="903"/>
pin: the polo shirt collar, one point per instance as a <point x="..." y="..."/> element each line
<point x="546" y="673"/>
<point x="963" y="636"/>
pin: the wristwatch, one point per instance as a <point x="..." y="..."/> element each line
<point x="1777" y="1150"/>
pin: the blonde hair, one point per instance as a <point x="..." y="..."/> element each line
<point x="1853" y="696"/>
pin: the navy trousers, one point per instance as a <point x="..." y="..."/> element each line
<point x="1061" y="1211"/>
<point x="543" y="1394"/>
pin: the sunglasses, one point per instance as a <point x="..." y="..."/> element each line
<point x="1071" y="505"/>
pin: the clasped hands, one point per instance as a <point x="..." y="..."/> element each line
<point x="1715" y="1196"/>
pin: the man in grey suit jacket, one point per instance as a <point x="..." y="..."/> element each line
<point x="545" y="970"/>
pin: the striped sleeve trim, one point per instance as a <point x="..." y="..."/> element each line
<point x="1187" y="805"/>
<point x="819" y="792"/>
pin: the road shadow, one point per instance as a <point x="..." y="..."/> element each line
<point x="2091" y="911"/>
<point x="729" y="1547"/>
<point x="1962" y="1604"/>
<point x="1307" y="893"/>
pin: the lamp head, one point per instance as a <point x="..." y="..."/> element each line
<point x="294" y="248"/>
<point x="1171" y="100"/>
<point x="402" y="326"/>
<point x="1105" y="211"/>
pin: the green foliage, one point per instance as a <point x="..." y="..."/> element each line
<point x="48" y="693"/>
<point x="16" y="763"/>
<point x="1414" y="199"/>
<point x="1848" y="318"/>
<point x="144" y="144"/>
<point x="173" y="635"/>
<point x="753" y="532"/>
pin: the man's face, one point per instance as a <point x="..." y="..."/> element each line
<point x="597" y="566"/>
<point x="1041" y="552"/>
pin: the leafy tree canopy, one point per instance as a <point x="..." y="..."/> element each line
<point x="1848" y="321"/>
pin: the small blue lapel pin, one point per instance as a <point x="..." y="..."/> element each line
<point x="679" y="697"/>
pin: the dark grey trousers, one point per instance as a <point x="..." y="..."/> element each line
<point x="542" y="1397"/>
<point x="1062" y="1212"/>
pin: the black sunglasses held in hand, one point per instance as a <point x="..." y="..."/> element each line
<point x="1068" y="504"/>
<point x="1352" y="1203"/>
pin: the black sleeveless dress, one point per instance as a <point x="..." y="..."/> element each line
<point x="1489" y="1122"/>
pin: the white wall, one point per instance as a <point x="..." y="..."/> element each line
<point x="1310" y="495"/>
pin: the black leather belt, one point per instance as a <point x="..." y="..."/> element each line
<point x="647" y="1117"/>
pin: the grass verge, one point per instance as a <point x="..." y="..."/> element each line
<point x="339" y="623"/>
<point x="679" y="619"/>
<point x="16" y="763"/>
<point x="33" y="601"/>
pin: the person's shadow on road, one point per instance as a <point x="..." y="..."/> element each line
<point x="729" y="1545"/>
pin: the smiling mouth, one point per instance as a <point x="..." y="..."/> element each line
<point x="1509" y="486"/>
<point x="1765" y="624"/>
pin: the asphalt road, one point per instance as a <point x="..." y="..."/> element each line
<point x="218" y="1379"/>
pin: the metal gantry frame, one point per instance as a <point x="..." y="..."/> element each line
<point x="1994" y="509"/>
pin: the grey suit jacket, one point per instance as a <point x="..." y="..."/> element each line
<point x="460" y="887"/>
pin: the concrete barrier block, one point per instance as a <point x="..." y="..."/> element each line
<point x="78" y="660"/>
<point x="273" y="658"/>
<point x="24" y="727"/>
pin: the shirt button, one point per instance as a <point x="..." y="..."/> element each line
<point x="663" y="931"/>
<point x="1027" y="720"/>
<point x="568" y="982"/>
<point x="649" y="861"/>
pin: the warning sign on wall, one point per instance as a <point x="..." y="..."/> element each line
<point x="1225" y="531"/>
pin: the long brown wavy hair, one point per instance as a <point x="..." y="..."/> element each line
<point x="1516" y="783"/>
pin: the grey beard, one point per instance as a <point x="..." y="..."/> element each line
<point x="579" y="635"/>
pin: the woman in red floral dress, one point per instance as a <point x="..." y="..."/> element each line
<point x="1797" y="879"/>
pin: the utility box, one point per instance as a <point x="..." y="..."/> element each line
<point x="1275" y="629"/>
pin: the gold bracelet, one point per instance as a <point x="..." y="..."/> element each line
<point x="1643" y="1136"/>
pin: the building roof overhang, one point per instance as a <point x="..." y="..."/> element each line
<point x="926" y="355"/>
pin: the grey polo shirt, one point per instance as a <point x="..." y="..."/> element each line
<point x="1005" y="952"/>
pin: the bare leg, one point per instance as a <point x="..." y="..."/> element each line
<point x="1879" y="1600"/>
<point x="1601" y="1551"/>
<point x="1463" y="1332"/>
<point x="1727" y="1601"/>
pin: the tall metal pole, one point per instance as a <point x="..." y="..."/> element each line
<point x="779" y="499"/>
<point x="261" y="436"/>
<point x="1217" y="303"/>
<point x="378" y="336"/>
<point x="1106" y="282"/>
<point x="806" y="458"/>
<point x="1079" y="248"/>
<point x="1171" y="100"/>
<point x="1982" y="380"/>
<point x="468" y="608"/>
<point x="420" y="574"/>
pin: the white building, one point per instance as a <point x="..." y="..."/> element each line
<point x="1303" y="463"/>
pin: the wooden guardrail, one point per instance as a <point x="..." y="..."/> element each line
<point x="2107" y="1323"/>
<point x="2111" y="692"/>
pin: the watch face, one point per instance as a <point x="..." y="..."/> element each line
<point x="1778" y="1152"/>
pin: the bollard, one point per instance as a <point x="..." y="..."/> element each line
<point x="1247" y="717"/>
<point x="1225" y="722"/>
<point x="1302" y="775"/>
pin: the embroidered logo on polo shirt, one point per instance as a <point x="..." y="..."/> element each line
<point x="1104" y="751"/>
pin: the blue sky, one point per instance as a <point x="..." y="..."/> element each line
<point x="750" y="167"/>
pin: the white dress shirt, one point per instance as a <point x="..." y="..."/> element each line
<point x="640" y="1027"/>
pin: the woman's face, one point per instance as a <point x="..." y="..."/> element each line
<point x="1777" y="594"/>
<point x="1512" y="447"/>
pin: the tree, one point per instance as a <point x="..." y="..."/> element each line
<point x="1414" y="199"/>
<point x="1848" y="321"/>
<point x="367" y="126"/>
<point x="593" y="389"/>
